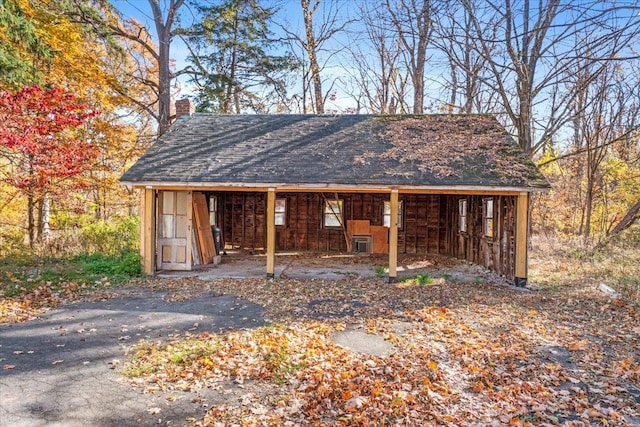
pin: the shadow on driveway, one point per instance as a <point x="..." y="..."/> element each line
<point x="61" y="368"/>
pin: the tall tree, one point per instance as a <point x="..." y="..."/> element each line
<point x="323" y="20"/>
<point x="375" y="61"/>
<point x="606" y="114"/>
<point x="413" y="21"/>
<point x="108" y="22"/>
<point x="231" y="53"/>
<point x="22" y="51"/>
<point x="464" y="90"/>
<point x="537" y="46"/>
<point x="41" y="144"/>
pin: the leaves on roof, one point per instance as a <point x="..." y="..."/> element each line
<point x="452" y="145"/>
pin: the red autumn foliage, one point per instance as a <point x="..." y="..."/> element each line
<point x="38" y="137"/>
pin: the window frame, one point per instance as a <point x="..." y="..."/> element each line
<point x="488" y="220"/>
<point x="463" y="216"/>
<point x="280" y="211"/>
<point x="328" y="211"/>
<point x="386" y="215"/>
<point x="212" y="207"/>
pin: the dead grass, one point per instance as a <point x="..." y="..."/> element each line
<point x="557" y="262"/>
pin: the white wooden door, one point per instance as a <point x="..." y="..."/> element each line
<point x="174" y="230"/>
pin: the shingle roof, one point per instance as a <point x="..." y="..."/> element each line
<point x="424" y="150"/>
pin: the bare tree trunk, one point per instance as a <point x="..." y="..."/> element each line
<point x="314" y="67"/>
<point x="627" y="221"/>
<point x="46" y="219"/>
<point x="317" y="31"/>
<point x="533" y="45"/>
<point x="163" y="32"/>
<point x="588" y="206"/>
<point x="31" y="227"/>
<point x="413" y="22"/>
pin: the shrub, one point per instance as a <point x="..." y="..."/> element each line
<point x="111" y="237"/>
<point x="126" y="264"/>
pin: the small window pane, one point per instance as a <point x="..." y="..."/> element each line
<point x="168" y="206"/>
<point x="280" y="212"/>
<point x="386" y="217"/>
<point x="462" y="210"/>
<point x="333" y="213"/>
<point x="487" y="217"/>
<point x="167" y="226"/>
<point x="181" y="202"/>
<point x="213" y="208"/>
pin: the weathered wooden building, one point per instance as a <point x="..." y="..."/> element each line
<point x="454" y="185"/>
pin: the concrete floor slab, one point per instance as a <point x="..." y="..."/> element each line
<point x="360" y="341"/>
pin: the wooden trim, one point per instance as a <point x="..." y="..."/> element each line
<point x="522" y="227"/>
<point x="343" y="188"/>
<point x="189" y="229"/>
<point x="147" y="230"/>
<point x="271" y="232"/>
<point x="393" y="237"/>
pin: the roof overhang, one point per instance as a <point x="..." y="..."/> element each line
<point x="329" y="187"/>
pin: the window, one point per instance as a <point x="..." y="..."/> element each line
<point x="333" y="213"/>
<point x="487" y="217"/>
<point x="462" y="212"/>
<point x="281" y="209"/>
<point x="386" y="216"/>
<point x="213" y="209"/>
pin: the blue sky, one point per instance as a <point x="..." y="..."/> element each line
<point x="289" y="12"/>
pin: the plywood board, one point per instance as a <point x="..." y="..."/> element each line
<point x="203" y="229"/>
<point x="380" y="236"/>
<point x="358" y="227"/>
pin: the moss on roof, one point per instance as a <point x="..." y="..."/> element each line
<point x="420" y="150"/>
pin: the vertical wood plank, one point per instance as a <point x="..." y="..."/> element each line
<point x="206" y="247"/>
<point x="522" y="227"/>
<point x="271" y="232"/>
<point x="147" y="230"/>
<point x="189" y="207"/>
<point x="393" y="237"/>
<point x="143" y="223"/>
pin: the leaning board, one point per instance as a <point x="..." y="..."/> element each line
<point x="202" y="228"/>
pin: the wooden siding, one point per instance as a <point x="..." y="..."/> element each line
<point x="429" y="224"/>
<point x="496" y="252"/>
<point x="243" y="218"/>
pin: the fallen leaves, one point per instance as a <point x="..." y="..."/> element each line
<point x="506" y="358"/>
<point x="37" y="300"/>
<point x="450" y="145"/>
<point x="463" y="355"/>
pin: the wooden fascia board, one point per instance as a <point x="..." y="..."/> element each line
<point x="343" y="188"/>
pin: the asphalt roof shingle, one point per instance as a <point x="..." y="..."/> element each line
<point x="425" y="150"/>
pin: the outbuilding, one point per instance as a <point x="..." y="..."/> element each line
<point x="453" y="185"/>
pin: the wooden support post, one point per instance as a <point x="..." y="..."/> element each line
<point x="522" y="230"/>
<point x="271" y="233"/>
<point x="393" y="237"/>
<point x="148" y="230"/>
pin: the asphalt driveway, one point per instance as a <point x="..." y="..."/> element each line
<point x="61" y="369"/>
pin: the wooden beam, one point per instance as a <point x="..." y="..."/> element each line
<point x="271" y="232"/>
<point x="522" y="231"/>
<point x="148" y="230"/>
<point x="393" y="237"/>
<point x="343" y="188"/>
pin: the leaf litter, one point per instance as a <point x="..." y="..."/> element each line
<point x="465" y="354"/>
